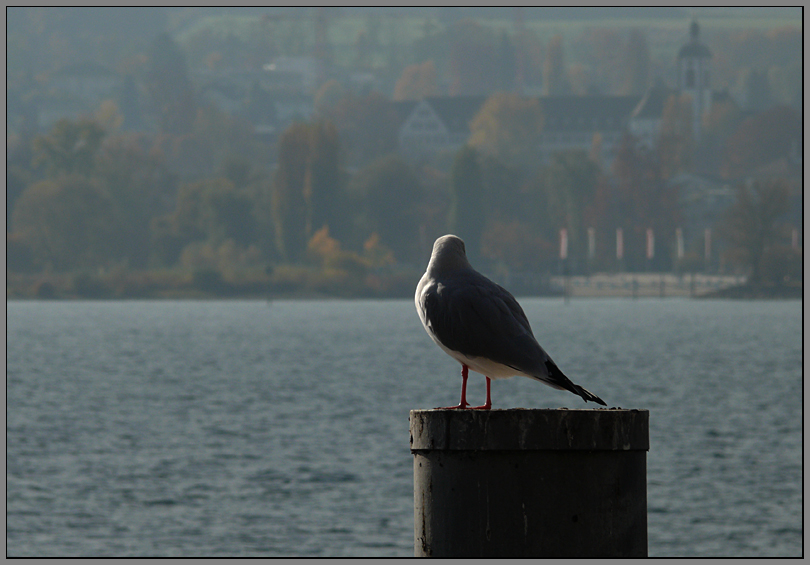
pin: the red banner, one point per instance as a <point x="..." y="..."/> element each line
<point x="707" y="244"/>
<point x="679" y="240"/>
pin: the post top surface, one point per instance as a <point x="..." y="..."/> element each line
<point x="610" y="429"/>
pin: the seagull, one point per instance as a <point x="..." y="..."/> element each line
<point x="481" y="325"/>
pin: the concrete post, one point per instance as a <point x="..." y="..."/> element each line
<point x="530" y="483"/>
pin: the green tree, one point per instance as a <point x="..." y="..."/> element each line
<point x="169" y="86"/>
<point x="66" y="221"/>
<point x="752" y="222"/>
<point x="786" y="84"/>
<point x="367" y="126"/>
<point x="289" y="205"/>
<point x="753" y="89"/>
<point x="227" y="213"/>
<point x="254" y="183"/>
<point x="643" y="200"/>
<point x="172" y="232"/>
<point x="19" y="258"/>
<point x="570" y="181"/>
<point x="516" y="246"/>
<point x="755" y="49"/>
<point x="214" y="138"/>
<point x="238" y="169"/>
<point x="70" y="147"/>
<point x="211" y="211"/>
<point x="260" y="190"/>
<point x="391" y="193"/>
<point x="137" y="183"/>
<point x="718" y="125"/>
<point x="466" y="217"/>
<point x="676" y="142"/>
<point x="417" y="81"/>
<point x="761" y="139"/>
<point x="19" y="158"/>
<point x="307" y="187"/>
<point x="323" y="182"/>
<point x="509" y="127"/>
<point x="502" y="185"/>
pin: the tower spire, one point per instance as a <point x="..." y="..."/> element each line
<point x="694" y="31"/>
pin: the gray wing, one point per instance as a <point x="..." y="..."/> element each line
<point x="476" y="317"/>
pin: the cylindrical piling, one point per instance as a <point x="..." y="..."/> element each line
<point x="530" y="483"/>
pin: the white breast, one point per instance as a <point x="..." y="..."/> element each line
<point x="486" y="367"/>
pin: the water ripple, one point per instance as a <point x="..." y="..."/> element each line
<point x="230" y="429"/>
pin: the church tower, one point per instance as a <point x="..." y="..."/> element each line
<point x="694" y="74"/>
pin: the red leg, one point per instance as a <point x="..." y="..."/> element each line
<point x="463" y="404"/>
<point x="488" y="403"/>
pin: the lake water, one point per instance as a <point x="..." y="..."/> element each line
<point x="247" y="428"/>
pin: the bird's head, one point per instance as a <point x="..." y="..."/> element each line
<point x="448" y="255"/>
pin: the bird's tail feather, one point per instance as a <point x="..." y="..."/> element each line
<point x="558" y="380"/>
<point x="586" y="394"/>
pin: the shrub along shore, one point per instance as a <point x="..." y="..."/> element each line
<point x="307" y="282"/>
<point x="279" y="282"/>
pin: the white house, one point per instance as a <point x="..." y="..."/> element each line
<point x="436" y="124"/>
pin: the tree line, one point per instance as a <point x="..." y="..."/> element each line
<point x="90" y="198"/>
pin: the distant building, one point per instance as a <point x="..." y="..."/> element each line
<point x="694" y="76"/>
<point x="572" y="122"/>
<point x="437" y="124"/>
<point x="76" y="90"/>
<point x="694" y="80"/>
<point x="645" y="120"/>
<point x="268" y="99"/>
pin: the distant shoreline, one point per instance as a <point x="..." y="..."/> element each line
<point x="759" y="292"/>
<point x="600" y="285"/>
<point x="663" y="285"/>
